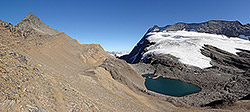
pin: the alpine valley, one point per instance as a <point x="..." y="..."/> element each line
<point x="42" y="69"/>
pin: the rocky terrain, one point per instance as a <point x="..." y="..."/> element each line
<point x="42" y="69"/>
<point x="225" y="82"/>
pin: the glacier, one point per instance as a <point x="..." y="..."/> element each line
<point x="186" y="45"/>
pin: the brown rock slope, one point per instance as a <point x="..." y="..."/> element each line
<point x="42" y="69"/>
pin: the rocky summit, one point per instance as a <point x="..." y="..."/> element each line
<point x="32" y="22"/>
<point x="42" y="69"/>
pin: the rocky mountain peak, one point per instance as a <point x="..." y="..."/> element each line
<point x="33" y="23"/>
<point x="32" y="19"/>
<point x="221" y="27"/>
<point x="154" y="28"/>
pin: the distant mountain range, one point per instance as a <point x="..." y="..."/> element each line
<point x="117" y="53"/>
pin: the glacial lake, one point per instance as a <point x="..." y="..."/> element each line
<point x="169" y="87"/>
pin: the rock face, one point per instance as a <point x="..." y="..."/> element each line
<point x="30" y="23"/>
<point x="228" y="28"/>
<point x="136" y="54"/>
<point x="118" y="67"/>
<point x="226" y="80"/>
<point x="223" y="58"/>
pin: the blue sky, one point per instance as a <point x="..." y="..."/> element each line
<point x="119" y="24"/>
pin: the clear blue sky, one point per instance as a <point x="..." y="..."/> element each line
<point x="119" y="24"/>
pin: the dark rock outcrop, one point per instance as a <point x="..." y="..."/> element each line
<point x="135" y="55"/>
<point x="228" y="28"/>
<point x="223" y="58"/>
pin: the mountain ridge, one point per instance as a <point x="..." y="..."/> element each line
<point x="222" y="27"/>
<point x="40" y="71"/>
<point x="204" y="27"/>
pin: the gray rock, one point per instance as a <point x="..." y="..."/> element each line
<point x="224" y="82"/>
<point x="144" y="68"/>
<point x="227" y="81"/>
<point x="122" y="72"/>
<point x="14" y="91"/>
<point x="31" y="25"/>
<point x="228" y="28"/>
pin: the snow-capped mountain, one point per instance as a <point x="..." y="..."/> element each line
<point x="213" y="55"/>
<point x="117" y="53"/>
<point x="222" y="34"/>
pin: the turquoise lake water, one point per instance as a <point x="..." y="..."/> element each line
<point x="170" y="87"/>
